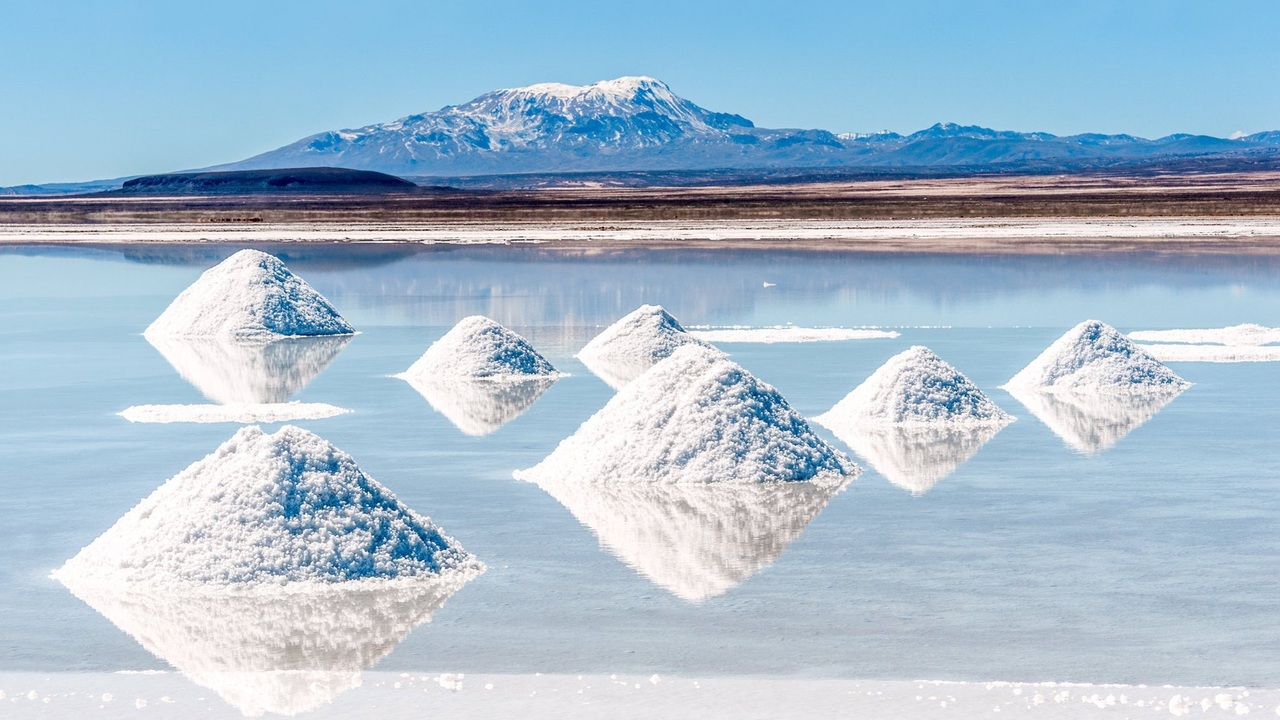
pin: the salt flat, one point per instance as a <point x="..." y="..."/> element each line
<point x="1253" y="234"/>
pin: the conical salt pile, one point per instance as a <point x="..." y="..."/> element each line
<point x="695" y="417"/>
<point x="1091" y="357"/>
<point x="915" y="387"/>
<point x="627" y="348"/>
<point x="263" y="510"/>
<point x="479" y="348"/>
<point x="250" y="294"/>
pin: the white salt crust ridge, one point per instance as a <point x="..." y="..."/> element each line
<point x="630" y="346"/>
<point x="915" y="387"/>
<point x="268" y="510"/>
<point x="250" y="294"/>
<point x="479" y="348"/>
<point x="241" y="413"/>
<point x="695" y="417"/>
<point x="1214" y="353"/>
<point x="280" y="651"/>
<point x="788" y="334"/>
<point x="1237" y="335"/>
<point x="1094" y="356"/>
<point x="696" y="541"/>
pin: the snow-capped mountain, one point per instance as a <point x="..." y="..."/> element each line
<point x="638" y="123"/>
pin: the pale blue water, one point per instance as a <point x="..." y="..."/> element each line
<point x="1154" y="561"/>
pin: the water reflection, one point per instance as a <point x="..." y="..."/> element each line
<point x="1093" y="423"/>
<point x="916" y="457"/>
<point x="617" y="372"/>
<point x="478" y="406"/>
<point x="696" y="541"/>
<point x="284" y="650"/>
<point x="243" y="371"/>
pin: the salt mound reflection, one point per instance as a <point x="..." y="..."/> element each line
<point x="284" y="650"/>
<point x="249" y="371"/>
<point x="616" y="372"/>
<point x="916" y="457"/>
<point x="695" y="540"/>
<point x="479" y="406"/>
<point x="1092" y="423"/>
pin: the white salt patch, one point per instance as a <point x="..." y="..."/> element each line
<point x="284" y="650"/>
<point x="627" y="348"/>
<point x="694" y="417"/>
<point x="1214" y="353"/>
<point x="250" y="294"/>
<point x="478" y="347"/>
<point x="249" y="370"/>
<point x="268" y="509"/>
<point x="915" y="387"/>
<point x="1094" y="356"/>
<point x="234" y="413"/>
<point x="788" y="334"/>
<point x="1247" y="334"/>
<point x="481" y="406"/>
<point x="694" y="540"/>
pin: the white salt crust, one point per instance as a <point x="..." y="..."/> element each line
<point x="250" y="294"/>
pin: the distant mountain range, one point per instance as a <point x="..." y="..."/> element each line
<point x="638" y="124"/>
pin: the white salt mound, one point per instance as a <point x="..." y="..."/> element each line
<point x="1238" y="335"/>
<point x="250" y="294"/>
<point x="479" y="348"/>
<point x="915" y="387"/>
<point x="630" y="346"/>
<point x="268" y="509"/>
<point x="694" y="417"/>
<point x="1094" y="356"/>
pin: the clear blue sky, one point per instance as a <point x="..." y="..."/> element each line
<point x="102" y="89"/>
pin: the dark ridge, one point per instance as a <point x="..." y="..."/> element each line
<point x="310" y="181"/>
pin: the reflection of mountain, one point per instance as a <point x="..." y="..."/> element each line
<point x="285" y="651"/>
<point x="1094" y="423"/>
<point x="915" y="457"/>
<point x="695" y="540"/>
<point x="249" y="371"/>
<point x="479" y="406"/>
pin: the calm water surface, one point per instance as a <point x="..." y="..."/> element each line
<point x="1152" y="560"/>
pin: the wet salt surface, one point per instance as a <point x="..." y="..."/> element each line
<point x="1105" y="547"/>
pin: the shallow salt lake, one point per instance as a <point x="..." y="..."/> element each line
<point x="1133" y="545"/>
